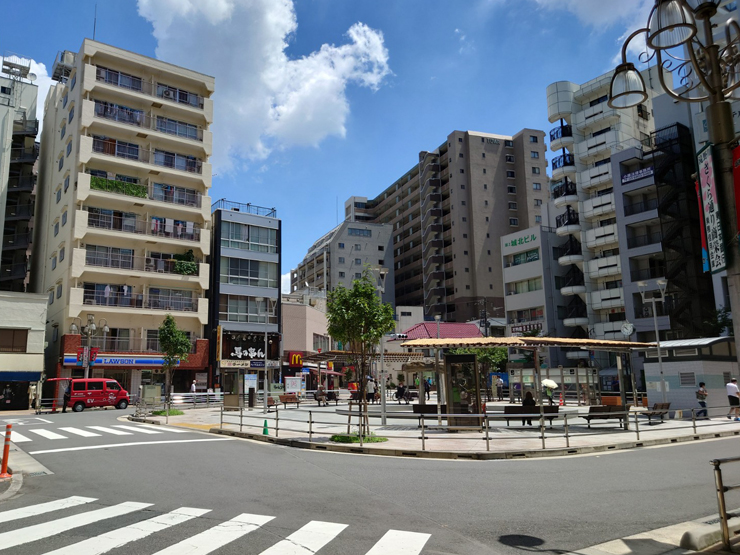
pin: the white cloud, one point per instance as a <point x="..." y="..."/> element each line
<point x="599" y="14"/>
<point x="43" y="82"/>
<point x="264" y="100"/>
<point x="465" y="44"/>
<point x="285" y="283"/>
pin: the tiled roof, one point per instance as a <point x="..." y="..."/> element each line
<point x="447" y="330"/>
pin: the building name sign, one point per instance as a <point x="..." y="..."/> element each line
<point x="637" y="175"/>
<point x="493" y="141"/>
<point x="257" y="364"/>
<point x="526" y="327"/>
<point x="521" y="240"/>
<point x="710" y="210"/>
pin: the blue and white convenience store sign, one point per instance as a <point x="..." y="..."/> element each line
<point x="123" y="361"/>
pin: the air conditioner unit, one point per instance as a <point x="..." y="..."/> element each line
<point x="167" y="93"/>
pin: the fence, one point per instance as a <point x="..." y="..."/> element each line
<point x="721" y="490"/>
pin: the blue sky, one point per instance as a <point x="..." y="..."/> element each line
<point x="318" y="100"/>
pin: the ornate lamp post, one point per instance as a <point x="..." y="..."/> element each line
<point x="88" y="331"/>
<point x="707" y="72"/>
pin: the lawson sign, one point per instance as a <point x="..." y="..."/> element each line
<point x="117" y="360"/>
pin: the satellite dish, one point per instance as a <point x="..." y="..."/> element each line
<point x="31" y="77"/>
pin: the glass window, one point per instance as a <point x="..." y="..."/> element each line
<point x="61" y="163"/>
<point x="61" y="254"/>
<point x="56" y="229"/>
<point x="69" y="148"/>
<point x="534" y="154"/>
<point x="535" y="170"/>
<point x="59" y="290"/>
<point x="341" y="260"/>
<point x="240" y="308"/>
<point x="508" y="143"/>
<point x="71" y="114"/>
<point x="513" y="221"/>
<point x="340" y="245"/>
<point x="248" y="237"/>
<point x="64" y="131"/>
<point x="238" y="271"/>
<point x="64" y="218"/>
<point x="64" y="100"/>
<point x="59" y="195"/>
<point x="341" y="274"/>
<point x="66" y="183"/>
<point x="533" y="139"/>
<point x="53" y="262"/>
<point x="537" y="186"/>
<point x="510" y="174"/>
<point x="358" y="261"/>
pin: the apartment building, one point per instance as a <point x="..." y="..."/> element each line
<point x="340" y="257"/>
<point x="245" y="300"/>
<point x="588" y="134"/>
<point x="124" y="212"/>
<point x="448" y="213"/>
<point x="18" y="154"/>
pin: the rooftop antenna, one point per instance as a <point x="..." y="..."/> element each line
<point x="95" y="20"/>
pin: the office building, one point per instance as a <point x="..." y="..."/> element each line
<point x="245" y="291"/>
<point x="448" y="213"/>
<point x="123" y="212"/>
<point x="18" y="154"/>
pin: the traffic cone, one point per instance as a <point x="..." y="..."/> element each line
<point x="561" y="399"/>
<point x="265" y="431"/>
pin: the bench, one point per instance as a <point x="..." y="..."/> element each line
<point x="606" y="412"/>
<point x="428" y="409"/>
<point x="519" y="410"/>
<point x="289" y="398"/>
<point x="326" y="397"/>
<point x="659" y="409"/>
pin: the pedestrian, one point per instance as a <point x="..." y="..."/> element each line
<point x="499" y="388"/>
<point x="517" y="392"/>
<point x="370" y="391"/>
<point x="400" y="392"/>
<point x="733" y="395"/>
<point x="528" y="402"/>
<point x="192" y="386"/>
<point x="427" y="389"/>
<point x="549" y="392"/>
<point x="701" y="397"/>
<point x="67" y="396"/>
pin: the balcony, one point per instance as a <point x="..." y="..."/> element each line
<point x="604" y="267"/>
<point x="24" y="155"/>
<point x="561" y="137"/>
<point x="598" y="206"/>
<point x="128" y="151"/>
<point x="567" y="223"/>
<point x="130" y="344"/>
<point x="28" y="127"/>
<point x="22" y="184"/>
<point x="569" y="252"/>
<point x="589" y="150"/>
<point x="601" y="236"/>
<point x="600" y="114"/>
<point x="573" y="283"/>
<point x="640" y="207"/>
<point x="16" y="241"/>
<point x="12" y="271"/>
<point x="151" y="191"/>
<point x="138" y="85"/>
<point x="643" y="240"/>
<point x="564" y="192"/>
<point x="611" y="329"/>
<point x="644" y="274"/>
<point x="595" y="177"/>
<point x="563" y="165"/>
<point x="18" y="212"/>
<point x="138" y="118"/>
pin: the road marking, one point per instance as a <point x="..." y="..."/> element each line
<point x="48" y="434"/>
<point x="54" y="527"/>
<point x="163" y="428"/>
<point x="398" y="542"/>
<point x="15" y="437"/>
<point x="130" y="444"/>
<point x="218" y="536"/>
<point x="79" y="432"/>
<point x="137" y="429"/>
<point x="117" y="538"/>
<point x="109" y="430"/>
<point x="42" y="508"/>
<point x="309" y="539"/>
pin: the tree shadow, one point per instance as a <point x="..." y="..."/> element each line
<point x="641" y="546"/>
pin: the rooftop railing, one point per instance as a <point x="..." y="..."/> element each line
<point x="247" y="208"/>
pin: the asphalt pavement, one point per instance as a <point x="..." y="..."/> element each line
<point x="183" y="489"/>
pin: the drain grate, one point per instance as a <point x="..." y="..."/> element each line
<point x="32" y="474"/>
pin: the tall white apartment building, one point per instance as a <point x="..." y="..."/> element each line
<point x="124" y="212"/>
<point x="587" y="134"/>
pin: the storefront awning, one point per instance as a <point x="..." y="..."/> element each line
<point x="326" y="372"/>
<point x="20" y="376"/>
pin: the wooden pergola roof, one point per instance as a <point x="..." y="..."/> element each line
<point x="528" y="343"/>
<point x="349" y="356"/>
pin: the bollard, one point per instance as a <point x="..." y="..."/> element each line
<point x="693" y="418"/>
<point x="277" y="422"/>
<point x="637" y="427"/>
<point x="6" y="452"/>
<point x="567" y="435"/>
<point x="265" y="430"/>
<point x="423" y="438"/>
<point x="488" y="439"/>
<point x="310" y="426"/>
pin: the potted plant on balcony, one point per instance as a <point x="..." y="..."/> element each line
<point x="185" y="264"/>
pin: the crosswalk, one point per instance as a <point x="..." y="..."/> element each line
<point x="66" y="432"/>
<point x="308" y="539"/>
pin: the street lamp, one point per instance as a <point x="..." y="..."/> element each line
<point x="266" y="313"/>
<point x="88" y="331"/>
<point x="709" y="74"/>
<point x="437" y="318"/>
<point x="380" y="288"/>
<point x="662" y="286"/>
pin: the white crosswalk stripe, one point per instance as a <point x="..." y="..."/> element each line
<point x="48" y="434"/>
<point x="15" y="437"/>
<point x="48" y="529"/>
<point x="137" y="429"/>
<point x="106" y="430"/>
<point x="79" y="432"/>
<point x="42" y="508"/>
<point x="122" y="536"/>
<point x="218" y="536"/>
<point x="164" y="429"/>
<point x="309" y="539"/>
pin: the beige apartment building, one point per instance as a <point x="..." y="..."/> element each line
<point x="448" y="213"/>
<point x="124" y="211"/>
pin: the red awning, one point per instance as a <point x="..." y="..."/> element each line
<point x="326" y="372"/>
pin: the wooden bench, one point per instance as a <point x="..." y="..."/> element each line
<point x="519" y="410"/>
<point x="606" y="412"/>
<point x="326" y="397"/>
<point x="430" y="408"/>
<point x="289" y="398"/>
<point x="659" y="409"/>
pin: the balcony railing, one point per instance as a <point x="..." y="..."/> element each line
<point x="158" y="228"/>
<point x="141" y="263"/>
<point x="573" y="278"/>
<point x="161" y="193"/>
<point x="560" y="132"/>
<point x="563" y="160"/>
<point x="24" y="154"/>
<point x="570" y="217"/>
<point x="16" y="241"/>
<point x="26" y="127"/>
<point x="248" y="208"/>
<point x="576" y="311"/>
<point x="178" y="303"/>
<point x="22" y="183"/>
<point x="18" y="211"/>
<point x="141" y="119"/>
<point x="148" y="88"/>
<point x="139" y="154"/>
<point x="643" y="240"/>
<point x="647" y="273"/>
<point x="12" y="271"/>
<point x="564" y="188"/>
<point x="640" y="207"/>
<point x="571" y="247"/>
<point x="129" y="344"/>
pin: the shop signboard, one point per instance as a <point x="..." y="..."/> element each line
<point x="711" y="209"/>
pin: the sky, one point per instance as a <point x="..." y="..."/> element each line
<point x="320" y="100"/>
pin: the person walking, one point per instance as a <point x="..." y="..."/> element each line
<point x="67" y="396"/>
<point x="401" y="393"/>
<point x="499" y="388"/>
<point x="192" y="386"/>
<point x="548" y="393"/>
<point x="370" y="391"/>
<point x="733" y="396"/>
<point x="528" y="402"/>
<point x="428" y="389"/>
<point x="701" y="397"/>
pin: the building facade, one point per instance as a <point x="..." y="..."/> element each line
<point x="340" y="256"/>
<point x="245" y="292"/>
<point x="18" y="154"/>
<point x="124" y="212"/>
<point x="588" y="134"/>
<point x="447" y="214"/>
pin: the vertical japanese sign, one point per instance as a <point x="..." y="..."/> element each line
<point x="736" y="178"/>
<point x="704" y="253"/>
<point x="710" y="207"/>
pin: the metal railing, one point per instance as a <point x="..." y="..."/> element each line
<point x="647" y="273"/>
<point x="24" y="154"/>
<point x="561" y="131"/>
<point x="16" y="241"/>
<point x="129" y="344"/>
<point x="148" y="88"/>
<point x="22" y="182"/>
<point x="26" y="126"/>
<point x="223" y="204"/>
<point x="721" y="489"/>
<point x="140" y="263"/>
<point x="137" y="153"/>
<point x="569" y="217"/>
<point x="13" y="271"/>
<point x="147" y="121"/>
<point x="563" y="160"/>
<point x="188" y="232"/>
<point x="644" y="240"/>
<point x="640" y="207"/>
<point x="179" y="303"/>
<point x="19" y="211"/>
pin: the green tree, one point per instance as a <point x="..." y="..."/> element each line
<point x="358" y="318"/>
<point x="717" y="322"/>
<point x="175" y="346"/>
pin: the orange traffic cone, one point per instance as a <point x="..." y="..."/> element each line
<point x="561" y="399"/>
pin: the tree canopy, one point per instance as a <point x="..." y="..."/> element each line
<point x="175" y="347"/>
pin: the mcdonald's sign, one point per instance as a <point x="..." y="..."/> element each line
<point x="295" y="360"/>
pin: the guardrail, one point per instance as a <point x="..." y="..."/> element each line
<point x="721" y="490"/>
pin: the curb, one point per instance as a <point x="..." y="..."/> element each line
<point x="16" y="482"/>
<point x="473" y="455"/>
<point x="707" y="535"/>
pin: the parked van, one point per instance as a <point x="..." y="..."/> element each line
<point x="97" y="392"/>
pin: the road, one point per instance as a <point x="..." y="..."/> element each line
<point x="252" y="496"/>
